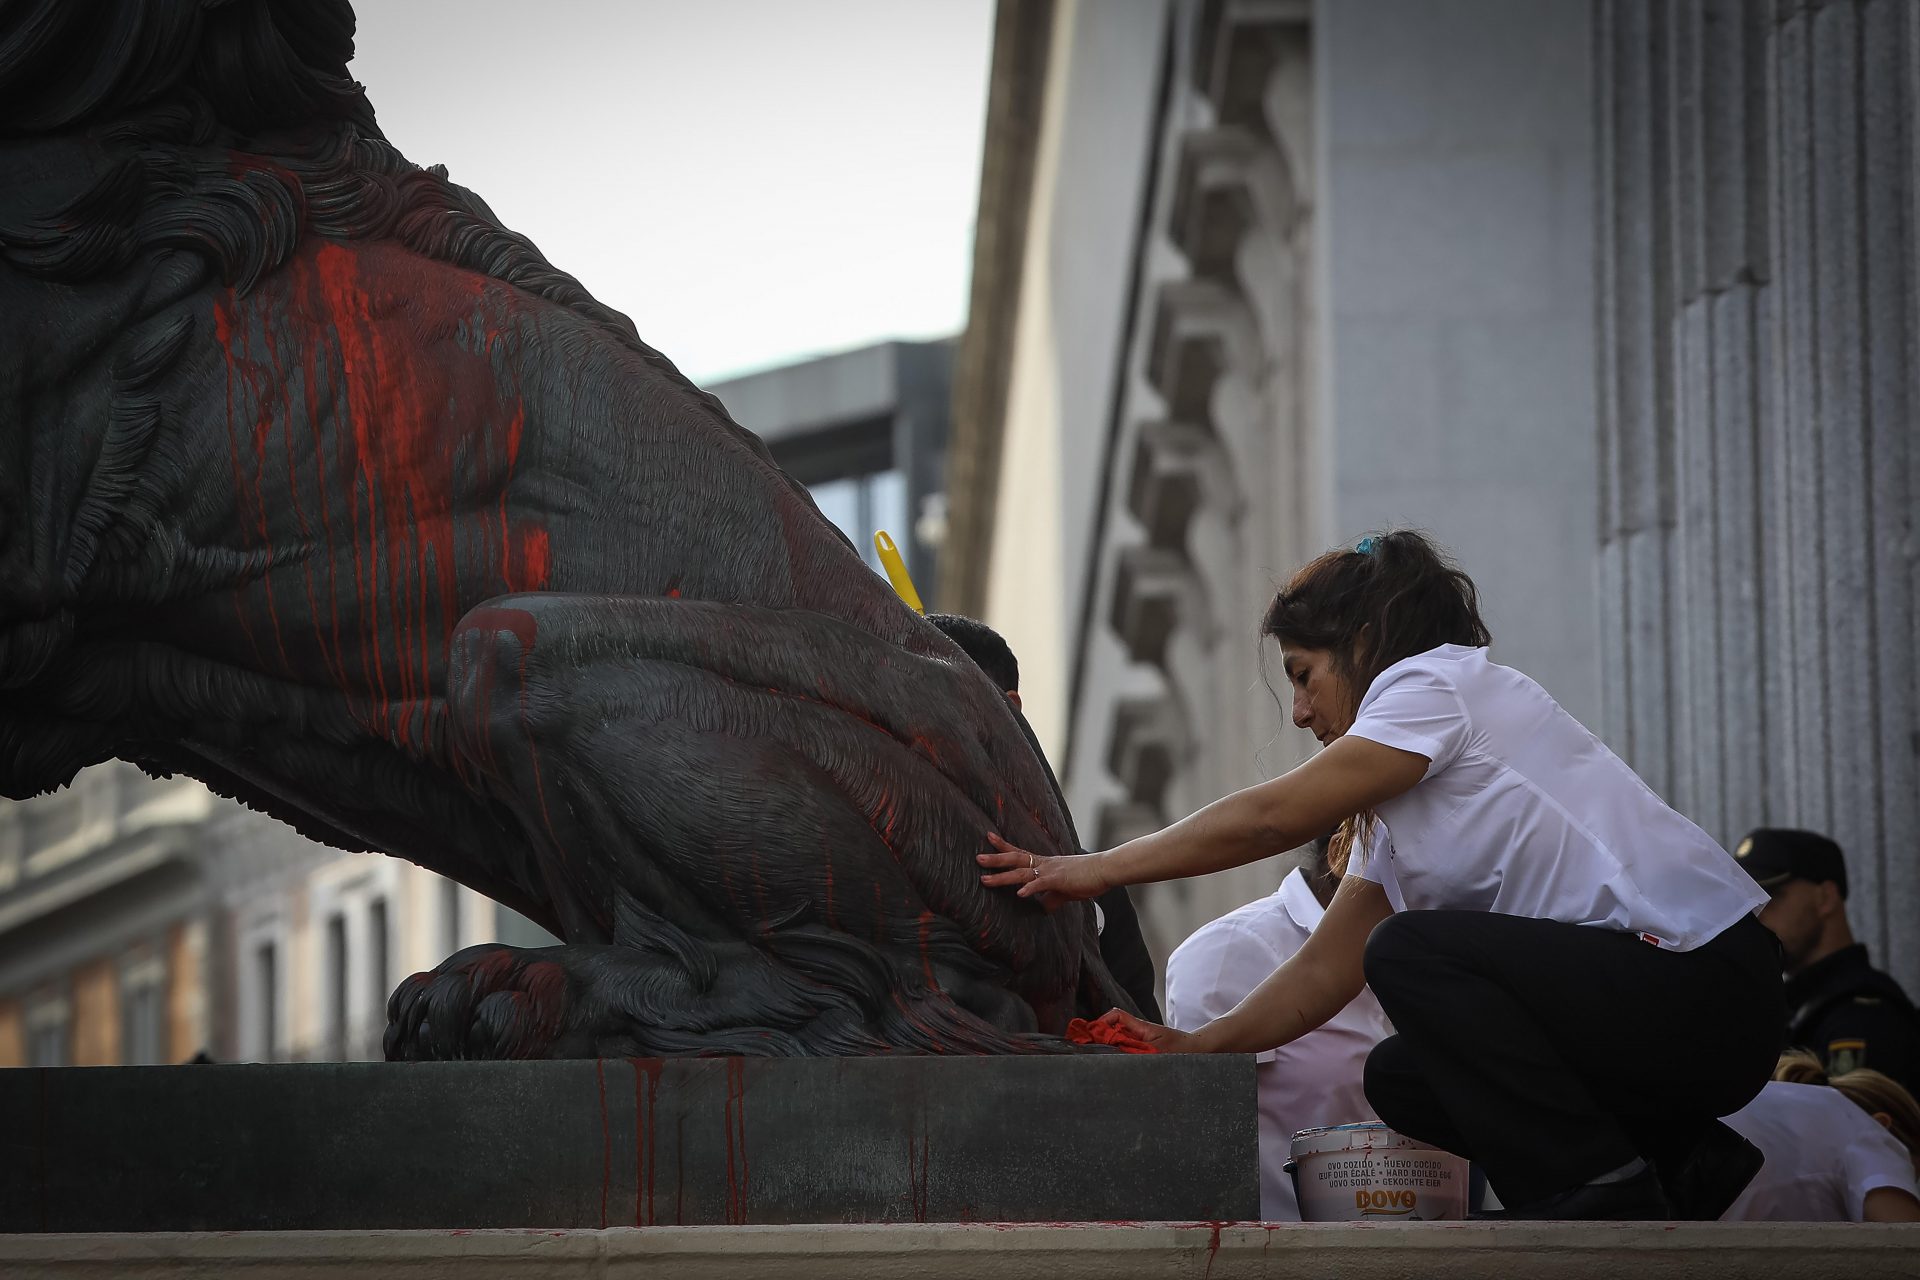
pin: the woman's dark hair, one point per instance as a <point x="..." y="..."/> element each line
<point x="1390" y="596"/>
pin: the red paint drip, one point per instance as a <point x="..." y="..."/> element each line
<point x="646" y="1146"/>
<point x="737" y="1173"/>
<point x="918" y="1181"/>
<point x="398" y="354"/>
<point x="606" y="1138"/>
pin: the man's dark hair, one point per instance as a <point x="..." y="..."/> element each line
<point x="984" y="645"/>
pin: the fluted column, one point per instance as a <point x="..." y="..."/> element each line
<point x="1759" y="316"/>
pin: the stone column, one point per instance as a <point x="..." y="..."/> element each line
<point x="1758" y="497"/>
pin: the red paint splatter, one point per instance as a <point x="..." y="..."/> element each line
<point x="426" y="434"/>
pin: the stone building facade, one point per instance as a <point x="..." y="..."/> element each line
<point x="146" y="921"/>
<point x="1759" y="281"/>
<point x="1612" y="296"/>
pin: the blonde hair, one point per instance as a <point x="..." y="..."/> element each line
<point x="1871" y="1091"/>
<point x="1348" y="838"/>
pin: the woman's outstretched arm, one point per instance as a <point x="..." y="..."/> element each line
<point x="1316" y="983"/>
<point x="1351" y="775"/>
<point x="1891" y="1204"/>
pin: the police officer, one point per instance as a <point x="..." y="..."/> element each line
<point x="1848" y="1013"/>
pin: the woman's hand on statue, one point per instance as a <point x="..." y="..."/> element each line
<point x="1052" y="880"/>
<point x="1163" y="1039"/>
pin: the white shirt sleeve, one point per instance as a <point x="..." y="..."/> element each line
<point x="1376" y="864"/>
<point x="1216" y="969"/>
<point x="1874" y="1158"/>
<point x="1414" y="708"/>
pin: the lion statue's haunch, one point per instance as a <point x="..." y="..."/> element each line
<point x="323" y="487"/>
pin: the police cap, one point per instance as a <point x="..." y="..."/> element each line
<point x="1775" y="855"/>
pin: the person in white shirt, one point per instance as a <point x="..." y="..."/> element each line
<point x="1845" y="1149"/>
<point x="1316" y="1080"/>
<point x="1557" y="908"/>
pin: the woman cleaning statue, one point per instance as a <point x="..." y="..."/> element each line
<point x="1578" y="983"/>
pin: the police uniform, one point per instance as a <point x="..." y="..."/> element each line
<point x="1846" y="1012"/>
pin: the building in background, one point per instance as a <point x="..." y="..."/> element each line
<point x="866" y="431"/>
<point x="147" y="921"/>
<point x="104" y="927"/>
<point x="1616" y="298"/>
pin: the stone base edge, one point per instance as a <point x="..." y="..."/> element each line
<point x="1065" y="1251"/>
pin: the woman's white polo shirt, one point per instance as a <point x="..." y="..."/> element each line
<point x="1523" y="811"/>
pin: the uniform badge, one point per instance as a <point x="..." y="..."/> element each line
<point x="1845" y="1055"/>
<point x="1746" y="847"/>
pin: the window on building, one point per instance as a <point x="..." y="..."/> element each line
<point x="49" y="1019"/>
<point x="266" y="975"/>
<point x="143" y="1010"/>
<point x="860" y="504"/>
<point x="449" y="916"/>
<point x="336" y="993"/>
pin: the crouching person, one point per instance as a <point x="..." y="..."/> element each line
<point x="1315" y="1080"/>
<point x="1839" y="1149"/>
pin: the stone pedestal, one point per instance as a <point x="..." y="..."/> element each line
<point x="620" y="1142"/>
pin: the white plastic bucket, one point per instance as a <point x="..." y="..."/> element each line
<point x="1369" y="1173"/>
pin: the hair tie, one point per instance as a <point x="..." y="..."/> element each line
<point x="1366" y="546"/>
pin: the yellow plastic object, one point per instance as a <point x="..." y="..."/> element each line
<point x="897" y="570"/>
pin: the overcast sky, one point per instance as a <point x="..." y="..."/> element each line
<point x="753" y="181"/>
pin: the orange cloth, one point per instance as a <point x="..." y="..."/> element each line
<point x="1107" y="1030"/>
